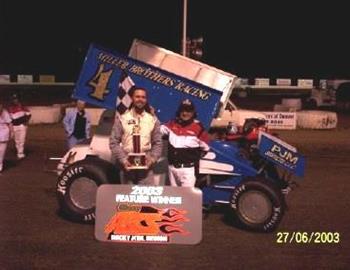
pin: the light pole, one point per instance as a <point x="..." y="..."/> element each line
<point x="184" y="26"/>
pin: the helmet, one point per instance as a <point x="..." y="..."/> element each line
<point x="232" y="128"/>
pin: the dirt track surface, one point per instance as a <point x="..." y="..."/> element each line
<point x="34" y="236"/>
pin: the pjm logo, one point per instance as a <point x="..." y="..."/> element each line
<point x="284" y="154"/>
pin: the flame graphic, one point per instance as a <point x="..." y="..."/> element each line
<point x="146" y="220"/>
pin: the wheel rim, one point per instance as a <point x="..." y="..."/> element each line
<point x="83" y="193"/>
<point x="255" y="206"/>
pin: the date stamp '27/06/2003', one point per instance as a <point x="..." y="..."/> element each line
<point x="300" y="237"/>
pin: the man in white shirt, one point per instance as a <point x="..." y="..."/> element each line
<point x="121" y="139"/>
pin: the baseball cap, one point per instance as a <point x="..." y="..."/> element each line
<point x="187" y="105"/>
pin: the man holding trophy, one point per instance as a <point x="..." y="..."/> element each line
<point x="136" y="141"/>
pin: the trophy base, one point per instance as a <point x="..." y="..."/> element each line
<point x="137" y="161"/>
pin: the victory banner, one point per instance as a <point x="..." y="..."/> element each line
<point x="107" y="77"/>
<point x="148" y="214"/>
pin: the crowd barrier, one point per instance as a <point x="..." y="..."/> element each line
<point x="45" y="114"/>
<point x="54" y="114"/>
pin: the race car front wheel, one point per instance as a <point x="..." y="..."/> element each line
<point x="257" y="205"/>
<point x="77" y="187"/>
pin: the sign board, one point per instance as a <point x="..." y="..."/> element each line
<point x="4" y="78"/>
<point x="306" y="83"/>
<point x="242" y="82"/>
<point x="24" y="78"/>
<point x="262" y="81"/>
<point x="281" y="153"/>
<point x="148" y="214"/>
<point x="106" y="78"/>
<point x="47" y="78"/>
<point x="283" y="82"/>
<point x="281" y="120"/>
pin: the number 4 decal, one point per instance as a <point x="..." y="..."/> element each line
<point x="99" y="83"/>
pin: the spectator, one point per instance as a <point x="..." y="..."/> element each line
<point x="121" y="142"/>
<point x="188" y="141"/>
<point x="20" y="116"/>
<point x="5" y="133"/>
<point x="77" y="125"/>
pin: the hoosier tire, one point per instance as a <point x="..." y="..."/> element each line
<point x="77" y="187"/>
<point x="257" y="205"/>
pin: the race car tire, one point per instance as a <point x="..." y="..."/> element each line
<point x="257" y="205"/>
<point x="317" y="119"/>
<point x="77" y="187"/>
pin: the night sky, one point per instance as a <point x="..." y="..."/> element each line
<point x="247" y="38"/>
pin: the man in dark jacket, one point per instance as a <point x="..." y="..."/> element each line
<point x="77" y="125"/>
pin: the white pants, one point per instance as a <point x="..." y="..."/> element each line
<point x="20" y="133"/>
<point x="182" y="177"/>
<point x="3" y="146"/>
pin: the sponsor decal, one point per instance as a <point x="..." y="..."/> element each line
<point x="107" y="77"/>
<point x="281" y="153"/>
<point x="282" y="156"/>
<point x="281" y="120"/>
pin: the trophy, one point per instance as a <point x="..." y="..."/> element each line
<point x="136" y="158"/>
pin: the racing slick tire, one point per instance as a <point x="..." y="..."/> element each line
<point x="77" y="187"/>
<point x="257" y="205"/>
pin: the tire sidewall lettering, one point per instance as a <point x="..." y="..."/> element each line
<point x="236" y="194"/>
<point x="67" y="178"/>
<point x="276" y="211"/>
